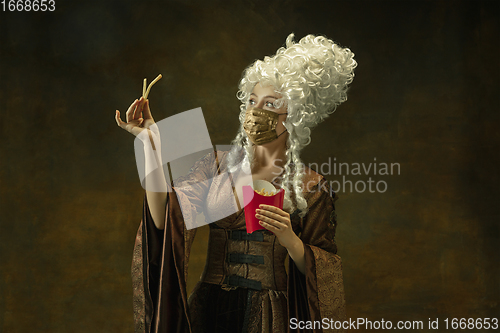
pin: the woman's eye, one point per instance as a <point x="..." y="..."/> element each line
<point x="251" y="102"/>
<point x="270" y="104"/>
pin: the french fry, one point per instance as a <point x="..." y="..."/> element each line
<point x="145" y="92"/>
<point x="264" y="192"/>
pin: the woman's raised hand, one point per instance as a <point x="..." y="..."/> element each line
<point x="138" y="117"/>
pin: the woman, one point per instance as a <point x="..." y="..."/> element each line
<point x="245" y="287"/>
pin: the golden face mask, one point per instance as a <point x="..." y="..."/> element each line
<point x="260" y="125"/>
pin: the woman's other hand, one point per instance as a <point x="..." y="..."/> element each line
<point x="278" y="221"/>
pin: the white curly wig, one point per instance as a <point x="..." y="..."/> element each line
<point x="312" y="77"/>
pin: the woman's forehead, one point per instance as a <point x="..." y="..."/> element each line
<point x="264" y="91"/>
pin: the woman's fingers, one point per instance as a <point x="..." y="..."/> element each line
<point x="277" y="221"/>
<point x="273" y="212"/>
<point x="269" y="226"/>
<point x="146" y="111"/>
<point x="138" y="109"/>
<point x="273" y="218"/>
<point x="131" y="111"/>
<point x="132" y="126"/>
<point x="134" y="122"/>
<point x="268" y="215"/>
<point x="119" y="121"/>
<point x="271" y="221"/>
<point x="273" y="209"/>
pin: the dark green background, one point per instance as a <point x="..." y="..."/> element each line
<point x="425" y="95"/>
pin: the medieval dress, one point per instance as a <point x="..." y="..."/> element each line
<point x="245" y="286"/>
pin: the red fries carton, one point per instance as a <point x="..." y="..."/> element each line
<point x="252" y="200"/>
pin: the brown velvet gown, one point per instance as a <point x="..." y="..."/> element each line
<point x="160" y="261"/>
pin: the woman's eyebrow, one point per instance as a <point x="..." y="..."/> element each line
<point x="268" y="96"/>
